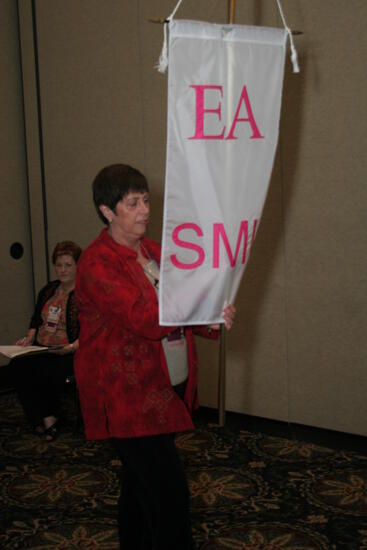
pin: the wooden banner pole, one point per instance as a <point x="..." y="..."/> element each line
<point x="222" y="342"/>
<point x="231" y="11"/>
<point x="222" y="377"/>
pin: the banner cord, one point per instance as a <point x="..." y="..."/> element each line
<point x="294" y="56"/>
<point x="163" y="58"/>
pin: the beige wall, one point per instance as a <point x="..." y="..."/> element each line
<point x="298" y="350"/>
<point x="16" y="285"/>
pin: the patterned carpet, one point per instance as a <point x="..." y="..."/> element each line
<point x="249" y="491"/>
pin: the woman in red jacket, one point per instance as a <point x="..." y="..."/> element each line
<point x="137" y="380"/>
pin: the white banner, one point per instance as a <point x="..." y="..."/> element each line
<point x="224" y="99"/>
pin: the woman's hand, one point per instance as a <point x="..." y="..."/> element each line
<point x="69" y="348"/>
<point x="27" y="340"/>
<point x="23" y="341"/>
<point x="229" y="313"/>
<point x="65" y="350"/>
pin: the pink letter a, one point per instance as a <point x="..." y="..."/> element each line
<point x="251" y="119"/>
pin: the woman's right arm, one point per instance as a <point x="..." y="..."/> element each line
<point x="28" y="339"/>
<point x="36" y="319"/>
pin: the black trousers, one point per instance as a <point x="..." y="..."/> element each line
<point x="154" y="504"/>
<point x="39" y="380"/>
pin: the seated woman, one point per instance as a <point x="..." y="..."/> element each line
<point x="39" y="379"/>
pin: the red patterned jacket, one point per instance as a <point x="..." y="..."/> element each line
<point x="120" y="366"/>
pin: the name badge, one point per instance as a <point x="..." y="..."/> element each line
<point x="176" y="339"/>
<point x="53" y="318"/>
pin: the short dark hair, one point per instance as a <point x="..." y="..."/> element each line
<point x="113" y="182"/>
<point x="66" y="247"/>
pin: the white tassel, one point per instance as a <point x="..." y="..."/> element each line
<point x="163" y="58"/>
<point x="294" y="56"/>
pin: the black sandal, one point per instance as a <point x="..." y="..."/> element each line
<point x="51" y="433"/>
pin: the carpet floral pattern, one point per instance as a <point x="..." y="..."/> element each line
<point x="249" y="491"/>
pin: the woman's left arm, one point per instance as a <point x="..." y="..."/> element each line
<point x="69" y="348"/>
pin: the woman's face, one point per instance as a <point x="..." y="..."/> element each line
<point x="130" y="221"/>
<point x="65" y="268"/>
